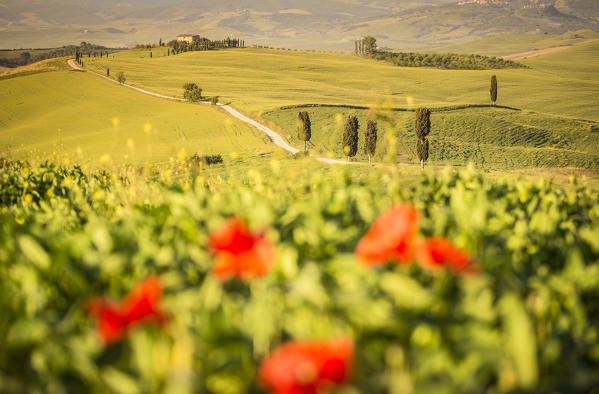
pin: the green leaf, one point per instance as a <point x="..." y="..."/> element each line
<point x="520" y="340"/>
<point x="34" y="252"/>
<point x="405" y="291"/>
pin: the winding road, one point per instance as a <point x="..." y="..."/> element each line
<point x="273" y="135"/>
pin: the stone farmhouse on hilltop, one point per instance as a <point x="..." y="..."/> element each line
<point x="189" y="38"/>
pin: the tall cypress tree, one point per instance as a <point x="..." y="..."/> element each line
<point x="422" y="128"/>
<point x="304" y="128"/>
<point x="108" y="72"/>
<point x="370" y="139"/>
<point x="350" y="136"/>
<point x="493" y="89"/>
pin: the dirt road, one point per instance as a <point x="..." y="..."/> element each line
<point x="273" y="135"/>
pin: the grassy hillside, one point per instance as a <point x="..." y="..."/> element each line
<point x="256" y="80"/>
<point x="508" y="44"/>
<point x="490" y="138"/>
<point x="57" y="114"/>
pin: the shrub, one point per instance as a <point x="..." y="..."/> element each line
<point x="206" y="160"/>
<point x="192" y="92"/>
<point x="121" y="77"/>
<point x="214" y="100"/>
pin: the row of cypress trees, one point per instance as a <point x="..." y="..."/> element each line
<point x="422" y="128"/>
<point x="350" y="134"/>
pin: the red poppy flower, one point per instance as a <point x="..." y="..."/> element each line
<point x="391" y="237"/>
<point x="307" y="367"/>
<point x="240" y="253"/>
<point x="141" y="306"/>
<point x="438" y="252"/>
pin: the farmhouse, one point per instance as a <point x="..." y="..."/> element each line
<point x="189" y="38"/>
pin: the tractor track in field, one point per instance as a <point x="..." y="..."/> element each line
<point x="272" y="135"/>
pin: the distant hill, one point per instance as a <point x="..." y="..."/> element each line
<point x="472" y="19"/>
<point x="331" y="24"/>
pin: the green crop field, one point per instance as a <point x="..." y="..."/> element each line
<point x="79" y="117"/>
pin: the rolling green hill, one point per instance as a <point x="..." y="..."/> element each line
<point x="489" y="138"/>
<point x="256" y="80"/>
<point x="556" y="96"/>
<point x="71" y="115"/>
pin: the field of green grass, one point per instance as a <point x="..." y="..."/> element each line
<point x="489" y="137"/>
<point x="255" y="80"/>
<point x="65" y="114"/>
<point x="557" y="96"/>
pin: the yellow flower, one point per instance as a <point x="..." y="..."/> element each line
<point x="182" y="155"/>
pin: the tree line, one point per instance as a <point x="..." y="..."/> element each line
<point x="351" y="135"/>
<point x="16" y="58"/>
<point x="205" y="44"/>
<point x="451" y="61"/>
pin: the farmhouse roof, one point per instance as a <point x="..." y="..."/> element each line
<point x="187" y="35"/>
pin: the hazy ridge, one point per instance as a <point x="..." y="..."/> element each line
<point x="331" y="24"/>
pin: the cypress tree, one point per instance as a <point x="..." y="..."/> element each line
<point x="168" y="52"/>
<point x="350" y="136"/>
<point x="370" y="139"/>
<point x="493" y="89"/>
<point x="304" y="128"/>
<point x="108" y="72"/>
<point x="150" y="55"/>
<point x="422" y="128"/>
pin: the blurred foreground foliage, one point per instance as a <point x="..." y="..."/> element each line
<point x="528" y="322"/>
